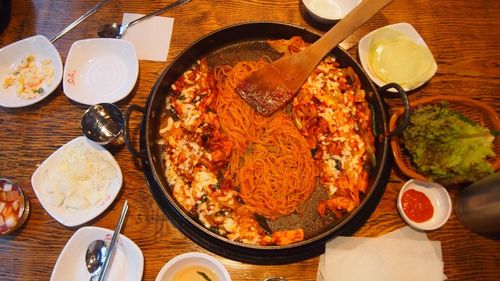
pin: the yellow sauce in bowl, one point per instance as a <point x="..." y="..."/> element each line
<point x="394" y="57"/>
<point x="195" y="273"/>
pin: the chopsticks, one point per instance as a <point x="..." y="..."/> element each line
<point x="79" y="20"/>
<point x="113" y="241"/>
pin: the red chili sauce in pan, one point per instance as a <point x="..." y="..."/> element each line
<point x="417" y="206"/>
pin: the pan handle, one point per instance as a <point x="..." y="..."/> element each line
<point x="126" y="132"/>
<point x="405" y="120"/>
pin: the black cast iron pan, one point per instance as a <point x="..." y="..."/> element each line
<point x="243" y="42"/>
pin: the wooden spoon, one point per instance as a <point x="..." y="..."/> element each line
<point x="268" y="89"/>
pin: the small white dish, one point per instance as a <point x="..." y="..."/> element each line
<point x="187" y="260"/>
<point x="407" y="30"/>
<point x="127" y="263"/>
<point x="439" y="198"/>
<point x="100" y="70"/>
<point x="10" y="57"/>
<point x="329" y="11"/>
<point x="46" y="177"/>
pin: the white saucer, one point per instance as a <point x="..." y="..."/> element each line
<point x="364" y="47"/>
<point x="439" y="198"/>
<point x="41" y="181"/>
<point x="127" y="262"/>
<point x="329" y="11"/>
<point x="11" y="55"/>
<point x="100" y="70"/>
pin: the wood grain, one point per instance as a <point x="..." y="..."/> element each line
<point x="464" y="37"/>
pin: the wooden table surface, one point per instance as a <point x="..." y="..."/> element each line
<point x="464" y="37"/>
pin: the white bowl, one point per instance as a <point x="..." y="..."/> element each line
<point x="44" y="180"/>
<point x="329" y="11"/>
<point x="19" y="207"/>
<point x="11" y="56"/>
<point x="183" y="261"/>
<point x="127" y="263"/>
<point x="404" y="28"/>
<point x="439" y="198"/>
<point x="100" y="70"/>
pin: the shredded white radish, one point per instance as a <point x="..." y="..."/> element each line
<point x="82" y="178"/>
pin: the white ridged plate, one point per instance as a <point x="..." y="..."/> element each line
<point x="100" y="70"/>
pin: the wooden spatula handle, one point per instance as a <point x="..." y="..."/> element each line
<point x="272" y="86"/>
<point x="346" y="26"/>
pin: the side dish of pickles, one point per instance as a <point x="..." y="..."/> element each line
<point x="14" y="207"/>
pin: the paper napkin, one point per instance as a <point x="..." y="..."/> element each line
<point x="404" y="254"/>
<point x="151" y="37"/>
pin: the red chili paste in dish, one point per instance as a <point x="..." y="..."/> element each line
<point x="417" y="206"/>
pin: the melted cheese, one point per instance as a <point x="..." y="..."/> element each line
<point x="394" y="57"/>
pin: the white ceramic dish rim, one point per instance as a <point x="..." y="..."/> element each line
<point x="44" y="49"/>
<point x="95" y="96"/>
<point x="81" y="239"/>
<point x="364" y="46"/>
<point x="341" y="5"/>
<point x="439" y="198"/>
<point x="73" y="218"/>
<point x="216" y="265"/>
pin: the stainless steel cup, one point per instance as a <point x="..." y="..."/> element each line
<point x="478" y="205"/>
<point x="103" y="123"/>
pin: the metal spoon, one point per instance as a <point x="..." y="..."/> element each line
<point x="94" y="257"/>
<point x="116" y="30"/>
<point x="116" y="233"/>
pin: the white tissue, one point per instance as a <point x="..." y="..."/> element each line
<point x="404" y="254"/>
<point x="151" y="37"/>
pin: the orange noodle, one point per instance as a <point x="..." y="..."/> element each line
<point x="225" y="162"/>
<point x="271" y="161"/>
<point x="238" y="120"/>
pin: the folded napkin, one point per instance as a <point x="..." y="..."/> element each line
<point x="151" y="37"/>
<point x="403" y="254"/>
